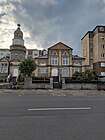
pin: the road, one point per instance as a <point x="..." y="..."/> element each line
<point x="51" y="117"/>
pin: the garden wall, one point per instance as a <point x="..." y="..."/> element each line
<point x="43" y="85"/>
<point x="79" y="85"/>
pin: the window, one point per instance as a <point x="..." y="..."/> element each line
<point x="65" y="54"/>
<point x="54" y="61"/>
<point x="103" y="55"/>
<point x="103" y="73"/>
<point x="76" y="69"/>
<point x="43" y="70"/>
<point x="21" y="57"/>
<point x="54" y="53"/>
<point x="5" y="70"/>
<point x="43" y="63"/>
<point x="65" y="61"/>
<point x="102" y="64"/>
<point x="101" y="28"/>
<point x="101" y="37"/>
<point x="35" y="54"/>
<point x="5" y="64"/>
<point x="65" y="72"/>
<point x="29" y="52"/>
<point x="15" y="56"/>
<point x="102" y="46"/>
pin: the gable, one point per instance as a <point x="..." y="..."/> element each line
<point x="60" y="46"/>
<point x="3" y="59"/>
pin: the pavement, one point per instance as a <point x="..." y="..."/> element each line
<point x="55" y="92"/>
<point x="52" y="115"/>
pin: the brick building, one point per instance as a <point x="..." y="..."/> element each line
<point x="93" y="50"/>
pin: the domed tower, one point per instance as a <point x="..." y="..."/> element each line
<point x="18" y="50"/>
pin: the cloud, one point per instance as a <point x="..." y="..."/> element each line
<point x="46" y="2"/>
<point x="45" y="22"/>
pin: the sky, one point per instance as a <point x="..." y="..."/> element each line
<point x="47" y="22"/>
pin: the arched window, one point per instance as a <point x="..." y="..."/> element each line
<point x="54" y="60"/>
<point x="16" y="56"/>
<point x="65" y="72"/>
<point x="21" y="57"/>
<point x="65" y="58"/>
<point x="54" y="53"/>
<point x="65" y="54"/>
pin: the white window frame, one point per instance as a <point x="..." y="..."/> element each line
<point x="54" y="60"/>
<point x="101" y="28"/>
<point x="65" y="72"/>
<point x="103" y="73"/>
<point x="102" y="46"/>
<point x="103" y="55"/>
<point x="65" y="61"/>
<point x="43" y="70"/>
<point x="76" y="69"/>
<point x="101" y="37"/>
<point x="103" y="64"/>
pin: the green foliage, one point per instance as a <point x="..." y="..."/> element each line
<point x="27" y="67"/>
<point x="90" y="75"/>
<point x="87" y="75"/>
<point x="78" y="75"/>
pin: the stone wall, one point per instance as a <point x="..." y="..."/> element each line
<point x="29" y="85"/>
<point x="78" y="86"/>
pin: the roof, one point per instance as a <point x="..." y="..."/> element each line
<point x="92" y="30"/>
<point x="98" y="26"/>
<point x="2" y="49"/>
<point x="32" y="50"/>
<point x="86" y="34"/>
<point x="60" y="43"/>
<point x="77" y="57"/>
<point x="6" y="59"/>
<point x="42" y="57"/>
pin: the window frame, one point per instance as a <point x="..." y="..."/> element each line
<point x="54" y="60"/>
<point x="65" y="60"/>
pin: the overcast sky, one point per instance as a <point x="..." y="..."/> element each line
<point x="46" y="22"/>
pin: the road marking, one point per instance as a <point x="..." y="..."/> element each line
<point x="50" y="109"/>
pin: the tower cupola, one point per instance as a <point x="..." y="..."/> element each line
<point x="18" y="33"/>
<point x="18" y="50"/>
<point x="18" y="37"/>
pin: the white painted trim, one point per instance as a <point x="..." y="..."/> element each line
<point x="51" y="109"/>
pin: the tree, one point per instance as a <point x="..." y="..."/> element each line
<point x="90" y="74"/>
<point x="27" y="67"/>
<point x="87" y="75"/>
<point x="78" y="75"/>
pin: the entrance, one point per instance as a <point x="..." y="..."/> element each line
<point x="56" y="80"/>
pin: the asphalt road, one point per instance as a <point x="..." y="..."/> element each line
<point x="49" y="117"/>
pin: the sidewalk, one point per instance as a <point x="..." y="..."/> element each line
<point x="55" y="92"/>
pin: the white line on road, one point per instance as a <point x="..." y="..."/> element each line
<point x="50" y="109"/>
